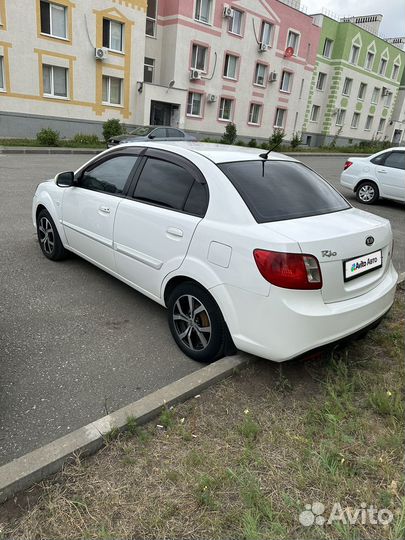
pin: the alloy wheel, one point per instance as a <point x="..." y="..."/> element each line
<point x="366" y="193"/>
<point x="46" y="235"/>
<point x="192" y="322"/>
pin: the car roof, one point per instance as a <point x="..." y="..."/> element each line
<point x="218" y="153"/>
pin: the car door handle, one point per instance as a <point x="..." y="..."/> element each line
<point x="383" y="171"/>
<point x="173" y="231"/>
<point x="104" y="209"/>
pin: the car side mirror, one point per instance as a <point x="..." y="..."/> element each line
<point x="151" y="136"/>
<point x="65" y="179"/>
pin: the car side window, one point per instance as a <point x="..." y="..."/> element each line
<point x="166" y="184"/>
<point x="197" y="200"/>
<point x="379" y="160"/>
<point x="109" y="176"/>
<point x="396" y="160"/>
<point x="159" y="133"/>
<point x="171" y="132"/>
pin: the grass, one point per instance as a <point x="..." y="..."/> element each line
<point x="244" y="459"/>
<point x="62" y="143"/>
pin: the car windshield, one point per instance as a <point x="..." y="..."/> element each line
<point x="279" y="190"/>
<point x="142" y="130"/>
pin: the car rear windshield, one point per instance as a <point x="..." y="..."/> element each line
<point x="278" y="190"/>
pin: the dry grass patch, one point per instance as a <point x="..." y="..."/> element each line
<point x="242" y="460"/>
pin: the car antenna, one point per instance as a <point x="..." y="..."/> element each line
<point x="265" y="155"/>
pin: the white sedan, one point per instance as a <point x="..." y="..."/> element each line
<point x="379" y="175"/>
<point x="246" y="250"/>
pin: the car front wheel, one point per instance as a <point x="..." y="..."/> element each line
<point x="367" y="192"/>
<point x="48" y="237"/>
<point x="197" y="324"/>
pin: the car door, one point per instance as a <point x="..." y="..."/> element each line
<point x="175" y="134"/>
<point x="153" y="229"/>
<point x="158" y="134"/>
<point x="89" y="207"/>
<point x="390" y="173"/>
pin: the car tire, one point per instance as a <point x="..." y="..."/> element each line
<point x="367" y="192"/>
<point x="48" y="237"/>
<point x="197" y="324"/>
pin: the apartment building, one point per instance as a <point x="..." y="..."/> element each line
<point x="354" y="94"/>
<point x="50" y="75"/>
<point x="193" y="64"/>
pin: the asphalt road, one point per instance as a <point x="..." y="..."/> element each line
<point x="76" y="343"/>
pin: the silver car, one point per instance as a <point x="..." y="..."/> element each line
<point x="148" y="133"/>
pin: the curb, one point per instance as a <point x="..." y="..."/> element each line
<point x="43" y="462"/>
<point x="48" y="151"/>
<point x="401" y="278"/>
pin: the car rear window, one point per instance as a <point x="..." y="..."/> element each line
<point x="279" y="190"/>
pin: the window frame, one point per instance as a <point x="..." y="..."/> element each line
<point x="323" y="81"/>
<point x="2" y="74"/>
<point x="331" y="42"/>
<point x="256" y="74"/>
<point x="318" y="110"/>
<point x="196" y="45"/>
<point x="376" y="93"/>
<point x="198" y="18"/>
<point x="382" y="68"/>
<point x="252" y="106"/>
<point x="354" y="60"/>
<point x="363" y="86"/>
<point x="271" y="33"/>
<point x="298" y="40"/>
<point x="347" y="92"/>
<point x="290" y="81"/>
<point x="371" y="122"/>
<point x="153" y="20"/>
<point x="174" y="159"/>
<point x="394" y="76"/>
<point x="381" y="121"/>
<point x="122" y="28"/>
<point x="341" y="114"/>
<point x="229" y="55"/>
<point x="52" y="82"/>
<point x="108" y="103"/>
<point x="232" y="109"/>
<point x="366" y="64"/>
<point x="278" y="109"/>
<point x="231" y="21"/>
<point x="190" y="114"/>
<point x="53" y="5"/>
<point x="355" y="125"/>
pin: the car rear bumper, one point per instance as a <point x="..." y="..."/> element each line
<point x="347" y="180"/>
<point x="289" y="323"/>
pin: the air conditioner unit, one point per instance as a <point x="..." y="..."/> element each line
<point x="385" y="92"/>
<point x="263" y="47"/>
<point x="101" y="53"/>
<point x="212" y="98"/>
<point x="273" y="76"/>
<point x="195" y="74"/>
<point x="228" y="11"/>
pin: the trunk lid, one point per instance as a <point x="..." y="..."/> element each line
<point x="333" y="239"/>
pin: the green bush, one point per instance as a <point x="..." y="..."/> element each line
<point x="82" y="138"/>
<point x="240" y="143"/>
<point x="48" y="137"/>
<point x="112" y="128"/>
<point x="296" y="140"/>
<point x="230" y="134"/>
<point x="277" y="137"/>
<point x="264" y="146"/>
<point x="252" y="143"/>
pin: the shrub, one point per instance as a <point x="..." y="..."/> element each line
<point x="252" y="143"/>
<point x="240" y="143"/>
<point x="296" y="140"/>
<point x="112" y="128"/>
<point x="48" y="137"/>
<point x="277" y="137"/>
<point x="264" y="146"/>
<point x="229" y="136"/>
<point x="81" y="138"/>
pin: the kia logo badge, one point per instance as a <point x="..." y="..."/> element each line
<point x="369" y="240"/>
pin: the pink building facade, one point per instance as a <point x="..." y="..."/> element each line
<point x="210" y="62"/>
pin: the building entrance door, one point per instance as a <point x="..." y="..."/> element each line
<point x="164" y="114"/>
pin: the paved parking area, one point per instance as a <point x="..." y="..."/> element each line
<point x="76" y="343"/>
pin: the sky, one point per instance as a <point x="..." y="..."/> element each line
<point x="393" y="24"/>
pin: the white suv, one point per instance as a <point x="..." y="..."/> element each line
<point x="379" y="175"/>
<point x="244" y="249"/>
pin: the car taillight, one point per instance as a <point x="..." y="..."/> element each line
<point x="289" y="270"/>
<point x="347" y="165"/>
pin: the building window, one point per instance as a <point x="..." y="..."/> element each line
<point x="280" y="118"/>
<point x="320" y="83"/>
<point x="340" y="117"/>
<point x="194" y="102"/>
<point x="266" y="32"/>
<point x="388" y="99"/>
<point x="113" y="35"/>
<point x="255" y="113"/>
<point x="383" y="66"/>
<point x="315" y="113"/>
<point x="354" y="54"/>
<point x="112" y="90"/>
<point x="151" y="17"/>
<point x="199" y="57"/>
<point x="293" y="41"/>
<point x="230" y="66"/>
<point x="149" y="70"/>
<point x="203" y="10"/>
<point x="381" y="125"/>
<point x="2" y="85"/>
<point x="355" y="120"/>
<point x="225" y="109"/>
<point x="327" y="48"/>
<point x="235" y="22"/>
<point x="375" y="96"/>
<point x="362" y="90"/>
<point x="369" y="61"/>
<point x="286" y="81"/>
<point x="347" y="86"/>
<point x="395" y="71"/>
<point x="55" y="81"/>
<point x="53" y="20"/>
<point x="369" y="122"/>
<point x="260" y="74"/>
